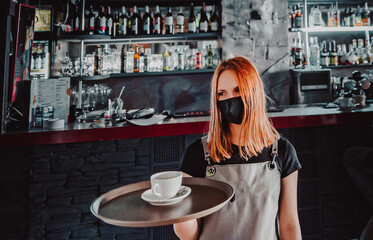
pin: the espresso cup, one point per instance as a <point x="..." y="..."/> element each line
<point x="166" y="184"/>
<point x="346" y="102"/>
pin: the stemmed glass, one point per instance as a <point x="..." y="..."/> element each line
<point x="65" y="68"/>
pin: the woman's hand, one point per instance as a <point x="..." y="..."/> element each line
<point x="188" y="230"/>
<point x="288" y="212"/>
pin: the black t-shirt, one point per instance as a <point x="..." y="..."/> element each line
<point x="194" y="162"/>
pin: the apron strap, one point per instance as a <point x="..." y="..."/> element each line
<point x="206" y="149"/>
<point x="274" y="154"/>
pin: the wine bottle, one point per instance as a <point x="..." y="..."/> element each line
<point x="109" y="22"/>
<point x="91" y="21"/>
<point x="157" y="21"/>
<point x="210" y="56"/>
<point x="214" y="20"/>
<point x="101" y="21"/>
<point x="135" y="21"/>
<point x="203" y="22"/>
<point x="180" y="21"/>
<point x="192" y="20"/>
<point x="116" y="24"/>
<point x="75" y="20"/>
<point x="123" y="23"/>
<point x="169" y="22"/>
<point x="365" y="19"/>
<point x="147" y="21"/>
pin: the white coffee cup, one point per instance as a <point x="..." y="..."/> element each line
<point x="166" y="184"/>
<point x="346" y="102"/>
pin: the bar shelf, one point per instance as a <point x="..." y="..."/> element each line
<point x="105" y="39"/>
<point x="332" y="29"/>
<point x="142" y="74"/>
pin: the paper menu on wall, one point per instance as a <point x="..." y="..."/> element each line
<point x="51" y="92"/>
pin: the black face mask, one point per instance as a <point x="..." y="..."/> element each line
<point x="232" y="109"/>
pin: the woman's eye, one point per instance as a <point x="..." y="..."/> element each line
<point x="237" y="90"/>
<point x="220" y="93"/>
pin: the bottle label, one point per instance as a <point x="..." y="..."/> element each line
<point x="92" y="23"/>
<point x="157" y="28"/>
<point x="169" y="21"/>
<point x="109" y="23"/>
<point x="180" y="20"/>
<point x="146" y="26"/>
<point x="192" y="27"/>
<point x="76" y="24"/>
<point x="102" y="27"/>
<point x="203" y="26"/>
<point x="135" y="26"/>
<point x="136" y="65"/>
<point x="123" y="27"/>
<point x="214" y="26"/>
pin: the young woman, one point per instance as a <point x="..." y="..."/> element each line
<point x="243" y="149"/>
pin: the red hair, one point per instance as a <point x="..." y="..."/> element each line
<point x="257" y="130"/>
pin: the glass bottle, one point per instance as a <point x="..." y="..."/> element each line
<point x="180" y="21"/>
<point x="98" y="60"/>
<point x="136" y="60"/>
<point x="135" y="21"/>
<point x="298" y="23"/>
<point x="352" y="17"/>
<point x="214" y="20"/>
<point x="123" y="23"/>
<point x="203" y="22"/>
<point x="192" y="20"/>
<point x="124" y="58"/>
<point x="324" y="54"/>
<point x="147" y="21"/>
<point x="358" y="16"/>
<point x="101" y="21"/>
<point x="209" y="58"/>
<point x="166" y="58"/>
<point x="157" y="21"/>
<point x="75" y="20"/>
<point x="351" y="57"/>
<point x="317" y="18"/>
<point x="109" y="22"/>
<point x="169" y="22"/>
<point x="91" y="21"/>
<point x="365" y="19"/>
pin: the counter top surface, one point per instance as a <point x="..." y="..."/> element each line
<point x="291" y="116"/>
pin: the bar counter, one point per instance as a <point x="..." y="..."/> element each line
<point x="291" y="116"/>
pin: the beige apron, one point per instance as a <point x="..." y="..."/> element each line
<point x="253" y="213"/>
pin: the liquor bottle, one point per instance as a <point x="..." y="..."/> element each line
<point x="351" y="56"/>
<point x="123" y="23"/>
<point x="75" y="21"/>
<point x="98" y="60"/>
<point x="358" y="16"/>
<point x="109" y="22"/>
<point x="292" y="53"/>
<point x="314" y="52"/>
<point x="298" y="23"/>
<point x="124" y="58"/>
<point x="214" y="20"/>
<point x="344" y="58"/>
<point x="346" y="17"/>
<point x="91" y="21"/>
<point x="169" y="22"/>
<point x="166" y="58"/>
<point x="180" y="21"/>
<point x="192" y="20"/>
<point x="336" y="16"/>
<point x="136" y="60"/>
<point x="365" y="19"/>
<point x="311" y="17"/>
<point x="116" y="24"/>
<point x="330" y="16"/>
<point x="292" y="17"/>
<point x="203" y="21"/>
<point x="298" y="54"/>
<point x="142" y="57"/>
<point x="147" y="22"/>
<point x="101" y="21"/>
<point x="360" y="52"/>
<point x="135" y="21"/>
<point x="209" y="58"/>
<point x="352" y="17"/>
<point x="324" y="54"/>
<point x="181" y="58"/>
<point x="158" y="24"/>
<point x="339" y="54"/>
<point x="333" y="54"/>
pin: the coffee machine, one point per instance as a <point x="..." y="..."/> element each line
<point x="311" y="86"/>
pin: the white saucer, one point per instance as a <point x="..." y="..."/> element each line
<point x="152" y="199"/>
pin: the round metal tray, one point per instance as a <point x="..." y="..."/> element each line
<point x="123" y="206"/>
